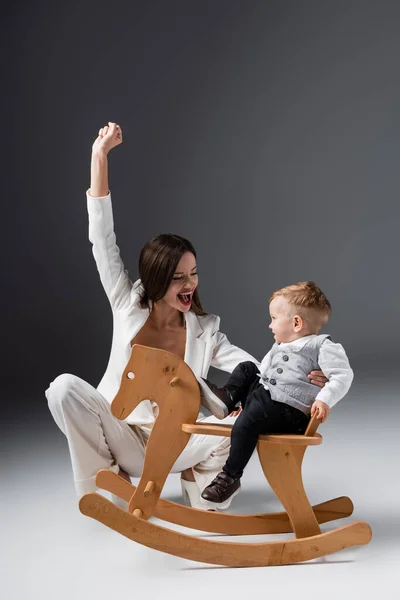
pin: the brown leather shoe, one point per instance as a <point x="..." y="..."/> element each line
<point x="217" y="400"/>
<point x="222" y="489"/>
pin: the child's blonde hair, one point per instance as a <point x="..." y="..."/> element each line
<point x="307" y="296"/>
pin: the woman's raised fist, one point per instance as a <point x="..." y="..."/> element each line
<point x="109" y="137"/>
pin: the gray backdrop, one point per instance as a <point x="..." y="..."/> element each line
<point x="265" y="132"/>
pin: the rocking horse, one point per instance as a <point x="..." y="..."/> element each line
<point x="165" y="378"/>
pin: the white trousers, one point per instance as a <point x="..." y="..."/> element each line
<point x="97" y="440"/>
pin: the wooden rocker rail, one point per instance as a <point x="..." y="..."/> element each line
<point x="231" y="554"/>
<point x="167" y="380"/>
<point x="224" y="523"/>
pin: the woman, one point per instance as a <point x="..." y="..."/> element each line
<point x="162" y="310"/>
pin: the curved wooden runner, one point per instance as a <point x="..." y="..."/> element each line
<point x="232" y="554"/>
<point x="224" y="523"/>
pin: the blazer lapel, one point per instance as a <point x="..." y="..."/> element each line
<point x="134" y="326"/>
<point x="195" y="346"/>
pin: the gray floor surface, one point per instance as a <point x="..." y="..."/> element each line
<point x="50" y="550"/>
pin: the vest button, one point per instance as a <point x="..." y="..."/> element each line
<point x="280" y="370"/>
<point x="272" y="381"/>
<point x="285" y="358"/>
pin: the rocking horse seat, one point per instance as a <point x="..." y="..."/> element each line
<point x="216" y="429"/>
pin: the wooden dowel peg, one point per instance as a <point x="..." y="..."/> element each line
<point x="148" y="490"/>
<point x="137" y="513"/>
<point x="174" y="381"/>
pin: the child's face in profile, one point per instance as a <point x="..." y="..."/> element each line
<point x="282" y="322"/>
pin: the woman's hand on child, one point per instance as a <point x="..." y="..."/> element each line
<point x="320" y="410"/>
<point x="109" y="137"/>
<point x="318" y="378"/>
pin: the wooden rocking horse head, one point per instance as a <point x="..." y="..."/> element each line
<point x="157" y="375"/>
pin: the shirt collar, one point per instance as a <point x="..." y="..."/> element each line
<point x="299" y="343"/>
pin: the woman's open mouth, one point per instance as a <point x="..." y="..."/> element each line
<point x="186" y="299"/>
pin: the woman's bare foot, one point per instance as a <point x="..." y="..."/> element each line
<point x="187" y="475"/>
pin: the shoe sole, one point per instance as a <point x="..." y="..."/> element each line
<point x="212" y="402"/>
<point x="201" y="504"/>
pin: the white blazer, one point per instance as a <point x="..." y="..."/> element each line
<point x="205" y="345"/>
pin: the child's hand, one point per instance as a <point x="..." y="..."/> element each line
<point x="321" y="410"/>
<point x="236" y="412"/>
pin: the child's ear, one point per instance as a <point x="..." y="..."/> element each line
<point x="297" y="323"/>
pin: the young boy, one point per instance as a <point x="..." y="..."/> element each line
<point x="278" y="397"/>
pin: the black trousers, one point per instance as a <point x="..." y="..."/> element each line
<point x="260" y="415"/>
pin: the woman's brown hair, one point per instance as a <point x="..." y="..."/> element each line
<point x="158" y="261"/>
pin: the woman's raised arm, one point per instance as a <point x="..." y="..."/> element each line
<point x="109" y="137"/>
<point x="114" y="278"/>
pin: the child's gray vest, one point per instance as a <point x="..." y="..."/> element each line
<point x="286" y="377"/>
